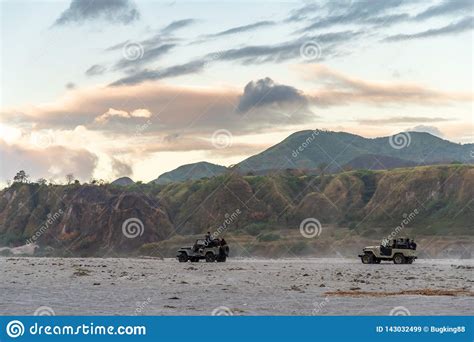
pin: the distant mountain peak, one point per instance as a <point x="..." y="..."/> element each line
<point x="123" y="181"/>
<point x="191" y="171"/>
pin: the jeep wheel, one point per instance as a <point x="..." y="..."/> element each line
<point x="367" y="259"/>
<point x="398" y="259"/>
<point x="210" y="257"/>
<point x="183" y="257"/>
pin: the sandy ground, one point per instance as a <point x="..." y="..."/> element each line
<point x="93" y="286"/>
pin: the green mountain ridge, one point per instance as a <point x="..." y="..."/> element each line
<point x="311" y="149"/>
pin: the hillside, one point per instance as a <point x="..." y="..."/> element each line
<point x="88" y="219"/>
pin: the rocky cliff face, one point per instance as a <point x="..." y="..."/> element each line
<point x="79" y="219"/>
<point x="104" y="219"/>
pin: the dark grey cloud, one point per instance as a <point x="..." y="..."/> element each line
<point x="340" y="12"/>
<point x="95" y="70"/>
<point x="152" y="75"/>
<point x="379" y="14"/>
<point x="244" y="28"/>
<point x="115" y="11"/>
<point x="149" y="55"/>
<point x="446" y="8"/>
<point x="462" y="25"/>
<point x="287" y="50"/>
<point x="247" y="54"/>
<point x="148" y="50"/>
<point x="302" y="13"/>
<point x="176" y="25"/>
<point x="265" y="92"/>
<point x="70" y="85"/>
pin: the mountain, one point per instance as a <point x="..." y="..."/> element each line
<point x="312" y="149"/>
<point x="191" y="172"/>
<point x="308" y="151"/>
<point x="86" y="220"/>
<point x="123" y="181"/>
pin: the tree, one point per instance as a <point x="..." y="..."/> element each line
<point x="41" y="181"/>
<point x="21" y="177"/>
<point x="69" y="178"/>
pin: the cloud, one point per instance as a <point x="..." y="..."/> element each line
<point x="400" y="119"/>
<point x="176" y="25"/>
<point x="244" y="28"/>
<point x="339" y="89"/>
<point x="70" y="85"/>
<point x="248" y="54"/>
<point x="347" y="12"/>
<point x="462" y="25"/>
<point x="265" y="92"/>
<point x="149" y="55"/>
<point x="158" y="74"/>
<point x="446" y="7"/>
<point x="95" y="70"/>
<point x="428" y="129"/>
<point x="161" y="37"/>
<point x="52" y="162"/>
<point x="121" y="169"/>
<point x="287" y="50"/>
<point x="114" y="11"/>
<point x="189" y="142"/>
<point x="169" y="110"/>
<point x="111" y="112"/>
<point x="302" y="13"/>
<point x="381" y="14"/>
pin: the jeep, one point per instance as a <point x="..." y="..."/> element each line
<point x="401" y="251"/>
<point x="210" y="251"/>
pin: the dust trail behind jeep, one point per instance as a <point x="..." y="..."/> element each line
<point x="209" y="250"/>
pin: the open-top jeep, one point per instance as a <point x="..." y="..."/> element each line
<point x="211" y="251"/>
<point x="401" y="251"/>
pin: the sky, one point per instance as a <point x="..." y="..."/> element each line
<point x="110" y="88"/>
